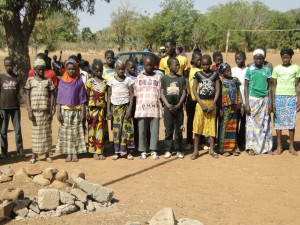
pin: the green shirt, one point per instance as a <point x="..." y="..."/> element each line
<point x="286" y="78"/>
<point x="258" y="81"/>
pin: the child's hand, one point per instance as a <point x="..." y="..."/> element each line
<point x="203" y="107"/>
<point x="211" y="108"/>
<point x="128" y="115"/>
<point x="53" y="111"/>
<point x="108" y="116"/>
<point x="247" y="109"/>
<point x="270" y="108"/>
<point x="170" y="107"/>
<point x="298" y="106"/>
<point x="30" y="115"/>
<point x="59" y="117"/>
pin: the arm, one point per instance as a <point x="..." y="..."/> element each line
<point x="181" y="101"/>
<point x="60" y="54"/>
<point x="217" y="94"/>
<point x="28" y="103"/>
<point x="130" y="102"/>
<point x="52" y="103"/>
<point x="108" y="114"/>
<point x="82" y="115"/>
<point x="165" y="101"/>
<point x="247" y="108"/>
<point x="270" y="95"/>
<point x="274" y="86"/>
<point x="297" y="93"/>
<point x="195" y="87"/>
<point x="59" y="115"/>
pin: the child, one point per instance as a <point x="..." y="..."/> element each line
<point x="96" y="112"/>
<point x="147" y="88"/>
<point x="39" y="90"/>
<point x="258" y="100"/>
<point x="109" y="67"/>
<point x="10" y="106"/>
<point x="120" y="99"/>
<point x="286" y="100"/>
<point x="240" y="72"/>
<point x="231" y="101"/>
<point x="173" y="93"/>
<point x="71" y="99"/>
<point x="218" y="60"/>
<point x="207" y="96"/>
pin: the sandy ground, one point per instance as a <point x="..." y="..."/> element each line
<point x="236" y="190"/>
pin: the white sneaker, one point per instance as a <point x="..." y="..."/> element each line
<point x="167" y="155"/>
<point x="180" y="155"/>
<point x="154" y="155"/>
<point x="143" y="156"/>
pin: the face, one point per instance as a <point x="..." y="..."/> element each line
<point x="71" y="70"/>
<point x="205" y="64"/>
<point x="110" y="59"/>
<point x="39" y="70"/>
<point x="259" y="60"/>
<point x="197" y="61"/>
<point x="219" y="60"/>
<point x="9" y="66"/>
<point x="175" y="66"/>
<point x="149" y="65"/>
<point x="227" y="73"/>
<point x="131" y="68"/>
<point x="120" y="69"/>
<point x="98" y="71"/>
<point x="239" y="60"/>
<point x="170" y="49"/>
<point x="286" y="59"/>
<point x="54" y="57"/>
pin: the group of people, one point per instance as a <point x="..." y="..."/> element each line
<point x="229" y="108"/>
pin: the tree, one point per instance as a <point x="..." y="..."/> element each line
<point x="18" y="18"/>
<point x="87" y="35"/>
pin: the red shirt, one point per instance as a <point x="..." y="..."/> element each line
<point x="48" y="73"/>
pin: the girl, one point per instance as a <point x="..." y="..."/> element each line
<point x="207" y="96"/>
<point x="71" y="98"/>
<point x="240" y="72"/>
<point x="120" y="98"/>
<point x="231" y="100"/>
<point x="258" y="99"/>
<point x="40" y="110"/>
<point x="109" y="67"/>
<point x="286" y="99"/>
<point x="96" y="111"/>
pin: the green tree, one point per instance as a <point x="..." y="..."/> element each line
<point x="18" y="18"/>
<point x="87" y="35"/>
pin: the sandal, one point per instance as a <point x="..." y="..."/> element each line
<point x="194" y="156"/>
<point x="130" y="157"/>
<point x="49" y="160"/>
<point x="115" y="157"/>
<point x="251" y="152"/>
<point x="236" y="153"/>
<point x="214" y="155"/>
<point x="32" y="161"/>
<point x="226" y="154"/>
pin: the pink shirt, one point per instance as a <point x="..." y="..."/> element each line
<point x="147" y="91"/>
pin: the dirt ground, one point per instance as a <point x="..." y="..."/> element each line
<point x="236" y="190"/>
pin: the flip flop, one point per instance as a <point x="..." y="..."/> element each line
<point x="194" y="156"/>
<point x="214" y="155"/>
<point x="251" y="152"/>
<point x="226" y="154"/>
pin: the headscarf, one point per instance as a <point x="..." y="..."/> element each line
<point x="259" y="52"/>
<point x="39" y="62"/>
<point x="66" y="76"/>
<point x="223" y="67"/>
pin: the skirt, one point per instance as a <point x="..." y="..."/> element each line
<point x="70" y="134"/>
<point x="286" y="109"/>
<point x="97" y="130"/>
<point x="258" y="128"/>
<point x="123" y="134"/>
<point x="41" y="132"/>
<point x="205" y="123"/>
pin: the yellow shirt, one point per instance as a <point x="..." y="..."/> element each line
<point x="183" y="61"/>
<point x="108" y="73"/>
<point x="193" y="70"/>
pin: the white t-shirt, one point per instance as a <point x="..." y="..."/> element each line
<point x="240" y="74"/>
<point x="84" y="76"/>
<point x="120" y="90"/>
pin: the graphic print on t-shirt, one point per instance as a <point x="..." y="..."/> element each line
<point x="173" y="89"/>
<point x="9" y="85"/>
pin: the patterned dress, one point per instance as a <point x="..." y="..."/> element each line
<point x="97" y="125"/>
<point x="40" y="105"/>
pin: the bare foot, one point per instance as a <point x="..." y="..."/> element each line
<point x="69" y="158"/>
<point x="270" y="153"/>
<point x="74" y="158"/>
<point x="293" y="151"/>
<point x="278" y="151"/>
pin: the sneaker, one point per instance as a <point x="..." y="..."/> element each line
<point x="167" y="155"/>
<point x="180" y="155"/>
<point x="143" y="156"/>
<point x="188" y="147"/>
<point x="154" y="155"/>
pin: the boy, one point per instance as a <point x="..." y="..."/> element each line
<point x="10" y="106"/>
<point x="173" y="94"/>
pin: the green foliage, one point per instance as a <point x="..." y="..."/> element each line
<point x="87" y="35"/>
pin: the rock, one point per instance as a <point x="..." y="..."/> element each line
<point x="65" y="209"/>
<point x="99" y="207"/>
<point x="4" y="178"/>
<point x="40" y="180"/>
<point x="7" y="170"/>
<point x="26" y="202"/>
<point x="75" y="173"/>
<point x="80" y="205"/>
<point x="6" y="209"/>
<point x="48" y="213"/>
<point x="133" y="223"/>
<point x="59" y="185"/>
<point x="79" y="194"/>
<point x="163" y="217"/>
<point x="35" y="207"/>
<point x="48" y="199"/>
<point x="12" y="194"/>
<point x="186" y="221"/>
<point x="20" y="209"/>
<point x="48" y="175"/>
<point x="33" y="170"/>
<point x="32" y="214"/>
<point x="66" y="198"/>
<point x="20" y="177"/>
<point x="90" y="206"/>
<point x="61" y="176"/>
<point x="51" y="170"/>
<point x="96" y="191"/>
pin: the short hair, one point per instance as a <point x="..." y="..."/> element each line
<point x="172" y="42"/>
<point x="206" y="57"/>
<point x="216" y="54"/>
<point x="130" y="60"/>
<point x="109" y="52"/>
<point x="196" y="53"/>
<point x="287" y="51"/>
<point x="171" y="60"/>
<point x="97" y="62"/>
<point x="74" y="57"/>
<point x="40" y="56"/>
<point x="197" y="50"/>
<point x="9" y="58"/>
<point x="241" y="53"/>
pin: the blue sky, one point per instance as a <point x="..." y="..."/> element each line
<point x="103" y="10"/>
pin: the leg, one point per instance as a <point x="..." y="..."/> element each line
<point x="178" y="123"/>
<point x="143" y="126"/>
<point x="4" y="127"/>
<point x="169" y="131"/>
<point x="195" y="154"/>
<point x="154" y="129"/>
<point x="278" y="151"/>
<point x="212" y="145"/>
<point x="292" y="149"/>
<point x="16" y="116"/>
<point x="190" y="113"/>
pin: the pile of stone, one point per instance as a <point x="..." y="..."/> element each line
<point x="80" y="194"/>
<point x="166" y="217"/>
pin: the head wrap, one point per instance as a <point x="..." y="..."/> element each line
<point x="39" y="62"/>
<point x="66" y="76"/>
<point x="259" y="52"/>
<point x="223" y="67"/>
